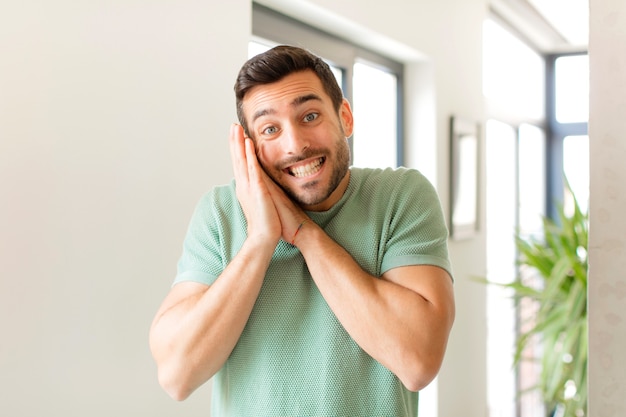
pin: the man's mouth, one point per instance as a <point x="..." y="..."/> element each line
<point x="307" y="169"/>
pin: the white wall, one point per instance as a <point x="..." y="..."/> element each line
<point x="114" y="118"/>
<point x="607" y="240"/>
<point x="113" y="121"/>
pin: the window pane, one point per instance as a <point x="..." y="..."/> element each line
<point x="501" y="321"/>
<point x="572" y="88"/>
<point x="255" y="48"/>
<point x="375" y="117"/>
<point x="513" y="74"/>
<point x="576" y="168"/>
<point x="532" y="178"/>
<point x="338" y="72"/>
<point x="532" y="203"/>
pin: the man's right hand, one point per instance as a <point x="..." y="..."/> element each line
<point x="252" y="192"/>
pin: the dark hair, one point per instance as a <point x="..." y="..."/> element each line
<point x="275" y="64"/>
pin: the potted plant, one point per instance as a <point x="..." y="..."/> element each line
<point x="558" y="261"/>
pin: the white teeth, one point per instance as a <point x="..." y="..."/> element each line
<point x="307" y="169"/>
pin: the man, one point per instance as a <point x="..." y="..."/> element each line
<point x="306" y="287"/>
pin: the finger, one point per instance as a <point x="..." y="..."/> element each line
<point x="274" y="189"/>
<point x="255" y="172"/>
<point x="290" y="214"/>
<point x="237" y="152"/>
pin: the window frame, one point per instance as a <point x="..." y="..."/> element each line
<point x="524" y="404"/>
<point x="555" y="134"/>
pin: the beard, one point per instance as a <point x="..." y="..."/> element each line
<point x="313" y="193"/>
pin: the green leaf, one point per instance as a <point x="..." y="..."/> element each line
<point x="559" y="259"/>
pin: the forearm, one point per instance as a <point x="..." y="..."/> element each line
<point x="403" y="329"/>
<point x="194" y="333"/>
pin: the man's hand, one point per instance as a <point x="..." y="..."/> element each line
<point x="252" y="191"/>
<point x="268" y="210"/>
<point x="290" y="214"/>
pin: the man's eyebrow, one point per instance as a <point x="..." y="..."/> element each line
<point x="295" y="103"/>
<point x="261" y="113"/>
<point x="303" y="99"/>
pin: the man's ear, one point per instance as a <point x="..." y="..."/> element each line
<point x="346" y="118"/>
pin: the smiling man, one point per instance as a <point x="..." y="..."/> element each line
<point x="306" y="287"/>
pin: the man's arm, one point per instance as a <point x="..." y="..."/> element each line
<point x="197" y="326"/>
<point x="402" y="320"/>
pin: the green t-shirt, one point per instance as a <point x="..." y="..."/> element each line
<point x="294" y="358"/>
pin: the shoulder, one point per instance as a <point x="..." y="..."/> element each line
<point x="219" y="196"/>
<point x="389" y="180"/>
<point x="218" y="205"/>
<point x="387" y="173"/>
<point x="395" y="190"/>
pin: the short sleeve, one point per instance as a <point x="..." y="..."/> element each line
<point x="213" y="235"/>
<point x="417" y="231"/>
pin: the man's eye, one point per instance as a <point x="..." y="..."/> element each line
<point x="310" y="117"/>
<point x="269" y="130"/>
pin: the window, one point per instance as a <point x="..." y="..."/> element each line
<point x="501" y="207"/>
<point x="532" y="178"/>
<point x="568" y="115"/>
<point x="531" y="160"/>
<point x="571" y="82"/>
<point x="375" y="97"/>
<point x="576" y="170"/>
<point x="514" y="89"/>
<point x="371" y="82"/>
<point x="536" y="138"/>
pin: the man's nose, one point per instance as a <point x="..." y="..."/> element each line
<point x="294" y="140"/>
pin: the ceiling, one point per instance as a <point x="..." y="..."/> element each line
<point x="551" y="26"/>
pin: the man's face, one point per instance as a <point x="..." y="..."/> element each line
<point x="300" y="139"/>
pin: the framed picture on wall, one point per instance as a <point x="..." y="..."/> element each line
<point x="464" y="142"/>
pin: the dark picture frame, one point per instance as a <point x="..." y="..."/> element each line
<point x="464" y="185"/>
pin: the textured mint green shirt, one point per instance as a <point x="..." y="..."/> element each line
<point x="294" y="358"/>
